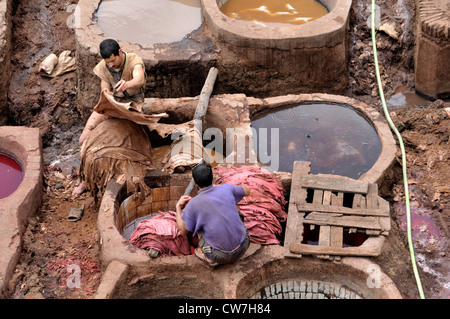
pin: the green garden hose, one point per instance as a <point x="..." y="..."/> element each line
<point x="402" y="147"/>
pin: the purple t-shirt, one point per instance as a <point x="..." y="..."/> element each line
<point x="213" y="212"/>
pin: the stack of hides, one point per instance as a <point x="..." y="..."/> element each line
<point x="161" y="233"/>
<point x="263" y="211"/>
<point x="264" y="208"/>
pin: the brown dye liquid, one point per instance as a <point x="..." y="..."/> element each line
<point x="274" y="11"/>
<point x="149" y="21"/>
<point x="336" y="139"/>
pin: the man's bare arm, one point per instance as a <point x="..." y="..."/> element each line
<point x="137" y="81"/>
<point x="95" y="118"/>
<point x="180" y="206"/>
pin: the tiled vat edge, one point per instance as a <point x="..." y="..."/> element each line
<point x="113" y="246"/>
<point x="24" y="144"/>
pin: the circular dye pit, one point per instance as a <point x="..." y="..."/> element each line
<point x="149" y="21"/>
<point x="11" y="175"/>
<point x="295" y="12"/>
<point x="337" y="139"/>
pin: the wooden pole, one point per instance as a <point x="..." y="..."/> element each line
<point x="200" y="112"/>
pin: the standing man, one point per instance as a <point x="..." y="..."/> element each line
<point x="213" y="214"/>
<point x="120" y="72"/>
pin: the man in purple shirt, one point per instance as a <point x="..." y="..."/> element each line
<point x="213" y="214"/>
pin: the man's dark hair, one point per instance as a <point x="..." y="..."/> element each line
<point x="202" y="175"/>
<point x="108" y="47"/>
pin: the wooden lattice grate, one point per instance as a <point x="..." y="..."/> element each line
<point x="334" y="205"/>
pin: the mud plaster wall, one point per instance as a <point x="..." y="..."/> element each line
<point x="271" y="72"/>
<point x="173" y="70"/>
<point x="5" y="57"/>
<point x="432" y="51"/>
<point x="180" y="69"/>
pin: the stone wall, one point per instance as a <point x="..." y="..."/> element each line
<point x="432" y="51"/>
<point x="5" y="57"/>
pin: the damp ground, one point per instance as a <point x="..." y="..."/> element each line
<point x="51" y="244"/>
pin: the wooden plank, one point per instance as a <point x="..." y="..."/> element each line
<point x="337" y="199"/>
<point x="207" y="89"/>
<point x="318" y="196"/>
<point x="326" y="198"/>
<point x="385" y="222"/>
<point x="294" y="224"/>
<point x="298" y="248"/>
<point x="367" y="222"/>
<point x="359" y="201"/>
<point x="294" y="230"/>
<point x="324" y="235"/>
<point x="336" y="236"/>
<point x="324" y="239"/>
<point x="335" y="183"/>
<point x="301" y="167"/>
<point x="340" y="210"/>
<point x="298" y="193"/>
<point x="372" y="196"/>
<point x="374" y="201"/>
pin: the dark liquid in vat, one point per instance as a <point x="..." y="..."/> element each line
<point x="11" y="175"/>
<point x="336" y="139"/>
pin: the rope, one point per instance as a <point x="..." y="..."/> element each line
<point x="405" y="178"/>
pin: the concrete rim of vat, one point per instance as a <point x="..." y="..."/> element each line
<point x="24" y="145"/>
<point x="353" y="273"/>
<point x="89" y="34"/>
<point x="242" y="279"/>
<point x="326" y="30"/>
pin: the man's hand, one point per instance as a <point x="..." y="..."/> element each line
<point x="121" y="86"/>
<point x="137" y="81"/>
<point x="182" y="202"/>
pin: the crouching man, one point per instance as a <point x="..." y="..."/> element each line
<point x="213" y="214"/>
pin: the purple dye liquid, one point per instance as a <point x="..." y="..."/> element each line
<point x="11" y="175"/>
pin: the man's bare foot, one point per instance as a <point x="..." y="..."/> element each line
<point x="199" y="253"/>
<point x="77" y="191"/>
